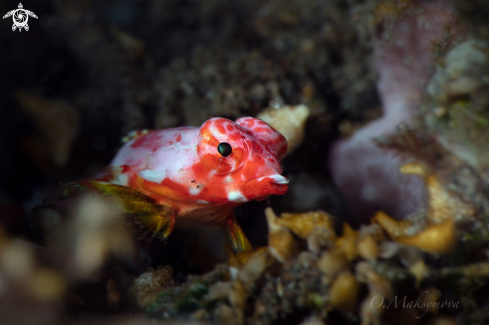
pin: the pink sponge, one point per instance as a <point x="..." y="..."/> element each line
<point x="367" y="176"/>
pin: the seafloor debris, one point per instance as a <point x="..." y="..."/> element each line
<point x="371" y="275"/>
<point x="57" y="121"/>
<point x="282" y="245"/>
<point x="288" y="120"/>
<point x="145" y="287"/>
<point x="133" y="46"/>
<point x="433" y="230"/>
<point x="24" y="282"/>
<point x="457" y="111"/>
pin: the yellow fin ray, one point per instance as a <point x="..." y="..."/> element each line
<point x="155" y="220"/>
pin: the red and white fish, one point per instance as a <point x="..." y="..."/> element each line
<point x="201" y="173"/>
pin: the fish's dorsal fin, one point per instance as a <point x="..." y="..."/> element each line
<point x="263" y="131"/>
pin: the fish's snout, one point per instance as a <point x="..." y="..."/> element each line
<point x="275" y="179"/>
<point x="262" y="187"/>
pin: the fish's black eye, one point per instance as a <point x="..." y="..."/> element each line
<point x="224" y="149"/>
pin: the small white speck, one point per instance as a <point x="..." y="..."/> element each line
<point x="194" y="190"/>
<point x="122" y="179"/>
<point x="236" y="196"/>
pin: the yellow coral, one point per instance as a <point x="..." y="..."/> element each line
<point x="348" y="242"/>
<point x="367" y="247"/>
<point x="420" y="271"/>
<point x="344" y="292"/>
<point x="316" y="223"/>
<point x="443" y="204"/>
<point x="281" y="243"/>
<point x="394" y="228"/>
<point x="333" y="262"/>
<point x="288" y="120"/>
<point x="436" y="238"/>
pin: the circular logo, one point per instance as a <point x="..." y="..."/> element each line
<point x="20" y="17"/>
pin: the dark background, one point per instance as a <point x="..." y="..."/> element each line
<point x="127" y="65"/>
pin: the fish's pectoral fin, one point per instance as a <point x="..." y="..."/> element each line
<point x="152" y="219"/>
<point x="240" y="243"/>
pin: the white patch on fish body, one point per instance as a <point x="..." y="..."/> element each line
<point x="194" y="190"/>
<point x="236" y="196"/>
<point x="121" y="179"/>
<point x="155" y="176"/>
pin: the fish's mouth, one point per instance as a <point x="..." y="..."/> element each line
<point x="262" y="187"/>
<point x="275" y="178"/>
